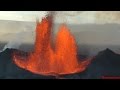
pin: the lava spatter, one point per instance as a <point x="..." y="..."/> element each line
<point x="45" y="60"/>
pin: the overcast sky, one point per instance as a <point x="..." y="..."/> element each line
<point x="19" y="32"/>
<point x="71" y="17"/>
<point x="21" y="15"/>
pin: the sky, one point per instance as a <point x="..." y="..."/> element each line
<point x="16" y="33"/>
<point x="21" y="15"/>
<point x="91" y="17"/>
<point x="70" y="17"/>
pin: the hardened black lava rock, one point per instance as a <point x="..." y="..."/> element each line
<point x="106" y="63"/>
<point x="9" y="70"/>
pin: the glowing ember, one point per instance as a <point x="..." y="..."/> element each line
<point x="48" y="60"/>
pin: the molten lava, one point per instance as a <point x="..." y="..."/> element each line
<point x="48" y="60"/>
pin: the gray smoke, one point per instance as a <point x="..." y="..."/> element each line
<point x="18" y="39"/>
<point x="25" y="34"/>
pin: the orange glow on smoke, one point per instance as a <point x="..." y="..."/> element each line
<point x="49" y="60"/>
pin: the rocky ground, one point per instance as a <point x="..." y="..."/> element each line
<point x="105" y="63"/>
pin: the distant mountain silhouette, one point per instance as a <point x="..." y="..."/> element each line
<point x="106" y="63"/>
<point x="9" y="70"/>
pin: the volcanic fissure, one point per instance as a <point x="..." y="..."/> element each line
<point x="48" y="60"/>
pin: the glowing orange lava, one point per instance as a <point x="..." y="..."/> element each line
<point x="48" y="60"/>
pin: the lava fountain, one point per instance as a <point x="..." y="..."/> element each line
<point x="47" y="59"/>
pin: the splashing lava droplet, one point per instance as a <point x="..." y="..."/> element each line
<point x="47" y="60"/>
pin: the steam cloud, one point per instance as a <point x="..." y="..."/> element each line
<point x="17" y="40"/>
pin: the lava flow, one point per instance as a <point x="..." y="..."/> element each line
<point x="47" y="59"/>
